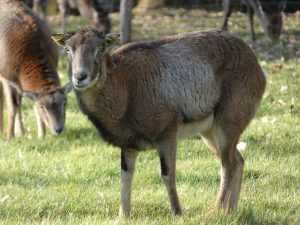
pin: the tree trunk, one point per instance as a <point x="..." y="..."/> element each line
<point x="125" y="20"/>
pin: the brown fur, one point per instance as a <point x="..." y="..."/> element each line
<point x="29" y="58"/>
<point x="146" y="95"/>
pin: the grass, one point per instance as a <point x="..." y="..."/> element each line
<point x="74" y="178"/>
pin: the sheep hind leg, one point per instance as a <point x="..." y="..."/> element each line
<point x="232" y="165"/>
<point x="231" y="178"/>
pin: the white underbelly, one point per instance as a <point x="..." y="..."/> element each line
<point x="195" y="128"/>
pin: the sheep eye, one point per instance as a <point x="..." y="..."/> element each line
<point x="68" y="50"/>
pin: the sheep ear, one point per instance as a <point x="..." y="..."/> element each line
<point x="68" y="87"/>
<point x="60" y="39"/>
<point x="112" y="40"/>
<point x="31" y="95"/>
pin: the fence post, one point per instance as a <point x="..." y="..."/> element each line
<point x="125" y="20"/>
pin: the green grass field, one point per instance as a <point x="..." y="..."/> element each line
<point x="75" y="178"/>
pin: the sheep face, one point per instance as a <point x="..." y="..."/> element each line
<point x="51" y="107"/>
<point x="85" y="50"/>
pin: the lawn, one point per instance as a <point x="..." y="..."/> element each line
<point x="75" y="178"/>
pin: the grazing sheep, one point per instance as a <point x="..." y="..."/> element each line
<point x="269" y="14"/>
<point x="28" y="60"/>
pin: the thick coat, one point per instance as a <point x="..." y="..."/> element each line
<point x="149" y="94"/>
<point x="28" y="60"/>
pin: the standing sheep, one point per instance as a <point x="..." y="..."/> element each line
<point x="148" y="95"/>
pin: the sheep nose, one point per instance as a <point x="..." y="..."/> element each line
<point x="59" y="129"/>
<point x="80" y="76"/>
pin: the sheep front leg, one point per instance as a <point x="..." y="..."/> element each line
<point x="128" y="159"/>
<point x="250" y="13"/>
<point x="19" y="127"/>
<point x="40" y="123"/>
<point x="227" y="8"/>
<point x="167" y="147"/>
<point x="12" y="106"/>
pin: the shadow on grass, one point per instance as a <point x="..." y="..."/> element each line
<point x="293" y="216"/>
<point x="142" y="209"/>
<point x="201" y="178"/>
<point x="72" y="137"/>
<point x="248" y="216"/>
<point x="73" y="134"/>
<point x="34" y="179"/>
<point x="266" y="49"/>
<point x="253" y="175"/>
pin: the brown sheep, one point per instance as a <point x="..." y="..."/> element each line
<point x="28" y="60"/>
<point x="148" y="95"/>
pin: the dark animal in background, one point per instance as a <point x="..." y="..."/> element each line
<point x="94" y="11"/>
<point x="29" y="3"/>
<point x="28" y="60"/>
<point x="147" y="95"/>
<point x="38" y="6"/>
<point x="269" y="13"/>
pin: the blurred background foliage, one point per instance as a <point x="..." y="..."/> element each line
<point x="144" y="5"/>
